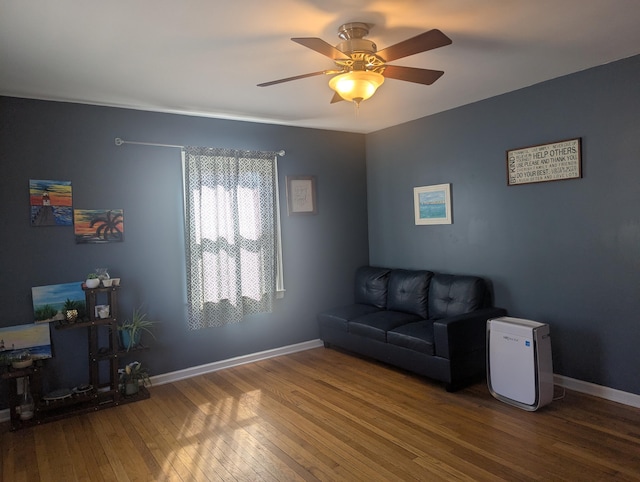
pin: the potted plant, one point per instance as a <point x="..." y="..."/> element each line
<point x="71" y="310"/>
<point x="132" y="376"/>
<point x="130" y="331"/>
<point x="92" y="281"/>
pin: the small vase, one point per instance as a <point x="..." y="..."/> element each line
<point x="26" y="401"/>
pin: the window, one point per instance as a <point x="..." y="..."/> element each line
<point x="232" y="234"/>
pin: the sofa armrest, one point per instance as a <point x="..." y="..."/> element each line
<point x="464" y="333"/>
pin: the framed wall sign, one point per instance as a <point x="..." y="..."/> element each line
<point x="301" y="195"/>
<point x="545" y="162"/>
<point x="432" y="204"/>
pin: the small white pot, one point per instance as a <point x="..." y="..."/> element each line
<point x="92" y="283"/>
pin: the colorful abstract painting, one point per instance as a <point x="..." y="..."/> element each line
<point x="15" y="340"/>
<point x="51" y="203"/>
<point x="50" y="303"/>
<point x="98" y="226"/>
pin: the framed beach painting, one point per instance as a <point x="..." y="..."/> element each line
<point x="432" y="204"/>
<point x="51" y="203"/>
<point x="51" y="303"/>
<point x="98" y="226"/>
<point x="15" y="340"/>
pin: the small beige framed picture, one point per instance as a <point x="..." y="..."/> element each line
<point x="301" y="195"/>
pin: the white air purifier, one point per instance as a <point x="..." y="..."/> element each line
<point x="519" y="365"/>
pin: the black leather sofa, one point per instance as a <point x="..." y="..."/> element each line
<point x="428" y="323"/>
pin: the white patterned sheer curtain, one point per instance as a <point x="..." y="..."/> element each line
<point x="232" y="234"/>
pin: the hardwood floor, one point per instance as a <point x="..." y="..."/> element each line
<point x="326" y="415"/>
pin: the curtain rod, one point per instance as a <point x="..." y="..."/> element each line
<point x="119" y="142"/>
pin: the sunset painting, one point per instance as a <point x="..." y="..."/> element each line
<point x="51" y="202"/>
<point x="98" y="226"/>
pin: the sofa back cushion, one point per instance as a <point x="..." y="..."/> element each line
<point x="451" y="295"/>
<point x="371" y="286"/>
<point x="409" y="291"/>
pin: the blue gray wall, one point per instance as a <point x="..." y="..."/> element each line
<point x="565" y="253"/>
<point x="62" y="141"/>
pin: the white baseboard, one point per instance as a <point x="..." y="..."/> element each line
<point x="607" y="393"/>
<point x="215" y="366"/>
<point x="566" y="382"/>
<point x="232" y="362"/>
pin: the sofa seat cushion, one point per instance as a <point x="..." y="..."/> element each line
<point x="376" y="325"/>
<point x="417" y="336"/>
<point x="337" y="318"/>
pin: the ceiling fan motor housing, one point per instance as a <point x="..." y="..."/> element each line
<point x="353" y="30"/>
<point x="357" y="45"/>
<point x="353" y="35"/>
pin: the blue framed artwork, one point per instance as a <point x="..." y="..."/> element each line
<point x="432" y="204"/>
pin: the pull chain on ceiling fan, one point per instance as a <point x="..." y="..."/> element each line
<point x="361" y="69"/>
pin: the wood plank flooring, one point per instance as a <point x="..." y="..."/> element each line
<point x="325" y="415"/>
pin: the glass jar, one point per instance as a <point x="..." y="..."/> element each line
<point x="26" y="401"/>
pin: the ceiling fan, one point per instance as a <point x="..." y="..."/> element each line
<point x="361" y="68"/>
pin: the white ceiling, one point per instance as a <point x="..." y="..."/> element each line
<point x="205" y="57"/>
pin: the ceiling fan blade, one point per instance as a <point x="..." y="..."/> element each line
<point x="336" y="98"/>
<point x="321" y="47"/>
<point x="296" y="77"/>
<point x="412" y="74"/>
<point x="430" y="40"/>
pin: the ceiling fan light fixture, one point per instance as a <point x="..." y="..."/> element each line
<point x="357" y="85"/>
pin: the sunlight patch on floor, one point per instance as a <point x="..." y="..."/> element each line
<point x="217" y="437"/>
